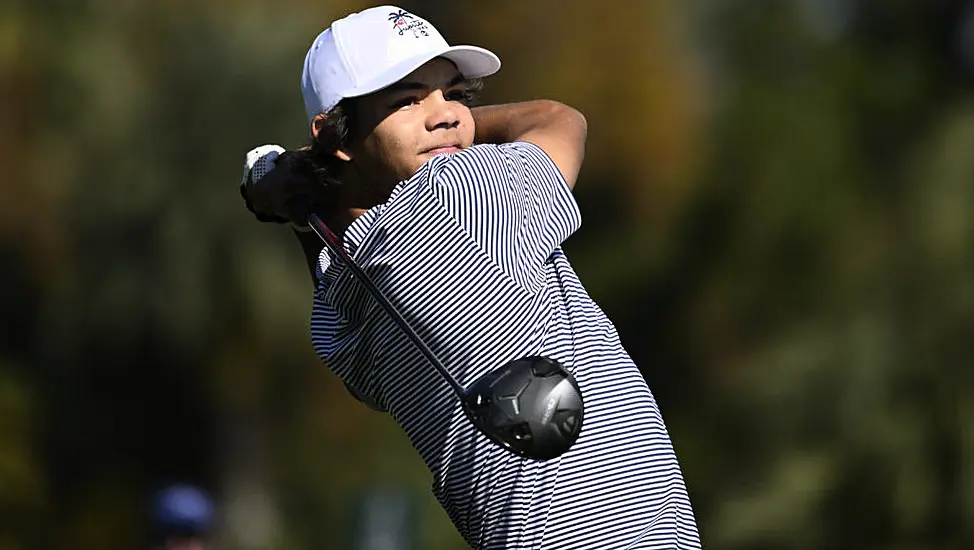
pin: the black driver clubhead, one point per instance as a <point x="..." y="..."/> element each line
<point x="532" y="406"/>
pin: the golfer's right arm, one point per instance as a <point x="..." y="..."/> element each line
<point x="512" y="194"/>
<point x="556" y="128"/>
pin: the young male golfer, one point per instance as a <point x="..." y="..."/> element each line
<point x="459" y="214"/>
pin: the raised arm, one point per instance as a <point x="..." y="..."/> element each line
<point x="556" y="128"/>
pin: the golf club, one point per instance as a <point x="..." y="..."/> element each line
<point x="531" y="406"/>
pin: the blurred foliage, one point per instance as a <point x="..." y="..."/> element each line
<point x="779" y="206"/>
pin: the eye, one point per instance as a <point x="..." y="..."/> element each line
<point x="460" y="94"/>
<point x="405" y="102"/>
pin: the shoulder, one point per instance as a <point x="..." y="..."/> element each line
<point x="484" y="159"/>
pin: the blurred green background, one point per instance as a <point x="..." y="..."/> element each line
<point x="779" y="216"/>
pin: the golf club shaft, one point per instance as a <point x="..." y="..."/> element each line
<point x="331" y="241"/>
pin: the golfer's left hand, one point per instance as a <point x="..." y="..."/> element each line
<point x="274" y="192"/>
<point x="260" y="162"/>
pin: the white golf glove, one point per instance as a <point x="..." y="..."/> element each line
<point x="258" y="163"/>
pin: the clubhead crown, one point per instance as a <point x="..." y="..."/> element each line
<point x="532" y="406"/>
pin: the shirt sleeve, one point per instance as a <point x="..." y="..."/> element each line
<point x="513" y="201"/>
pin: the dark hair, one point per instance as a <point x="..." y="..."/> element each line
<point x="317" y="161"/>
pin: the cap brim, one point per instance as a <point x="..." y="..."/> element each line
<point x="471" y="61"/>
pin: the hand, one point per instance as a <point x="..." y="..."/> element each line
<point x="273" y="192"/>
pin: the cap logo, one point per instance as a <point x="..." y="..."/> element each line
<point x="404" y="22"/>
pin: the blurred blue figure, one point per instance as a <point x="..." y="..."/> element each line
<point x="182" y="518"/>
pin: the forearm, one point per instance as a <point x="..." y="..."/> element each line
<point x="518" y="121"/>
<point x="556" y="128"/>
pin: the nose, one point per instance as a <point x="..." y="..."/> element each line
<point x="442" y="113"/>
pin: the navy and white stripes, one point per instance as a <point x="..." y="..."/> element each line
<point x="469" y="250"/>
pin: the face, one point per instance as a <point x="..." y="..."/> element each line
<point x="401" y="127"/>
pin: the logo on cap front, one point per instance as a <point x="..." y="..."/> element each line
<point x="403" y="22"/>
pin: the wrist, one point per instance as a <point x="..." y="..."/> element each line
<point x="489" y="123"/>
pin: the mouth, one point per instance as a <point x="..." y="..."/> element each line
<point x="441" y="149"/>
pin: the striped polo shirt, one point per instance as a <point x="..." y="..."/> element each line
<point x="469" y="249"/>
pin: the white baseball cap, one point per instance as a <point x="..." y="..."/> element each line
<point x="369" y="50"/>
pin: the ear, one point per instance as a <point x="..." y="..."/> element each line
<point x="317" y="124"/>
